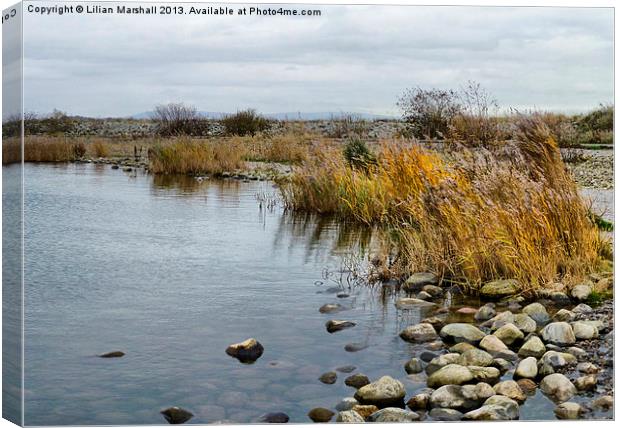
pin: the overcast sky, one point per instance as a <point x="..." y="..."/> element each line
<point x="352" y="58"/>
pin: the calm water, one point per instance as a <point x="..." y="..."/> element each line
<point x="172" y="272"/>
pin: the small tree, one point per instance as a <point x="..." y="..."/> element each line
<point x="429" y="112"/>
<point x="357" y="153"/>
<point x="178" y="119"/>
<point x="246" y="122"/>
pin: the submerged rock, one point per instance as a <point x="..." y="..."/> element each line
<point x="329" y="378"/>
<point x="413" y="366"/>
<point x="320" y="414"/>
<point x="527" y="385"/>
<point x="355" y="346"/>
<point x="383" y="392"/>
<point x="274" y="418"/>
<point x="419" y="333"/>
<point x="333" y="326"/>
<point x="605" y="402"/>
<point x="176" y="415"/>
<point x="113" y="354"/>
<point x="461" y="332"/>
<point x="330" y="308"/>
<point x="357" y="380"/>
<point x="418" y="280"/>
<point x="346" y="369"/>
<point x="411" y="303"/>
<point x="500" y="288"/>
<point x="247" y="351"/>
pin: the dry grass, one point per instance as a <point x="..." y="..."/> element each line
<point x="286" y="148"/>
<point x="506" y="211"/>
<point x="195" y="157"/>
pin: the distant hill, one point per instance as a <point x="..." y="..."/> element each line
<point x="283" y="116"/>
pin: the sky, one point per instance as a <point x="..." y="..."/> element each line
<point x="350" y="59"/>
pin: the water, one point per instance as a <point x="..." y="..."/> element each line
<point x="172" y="271"/>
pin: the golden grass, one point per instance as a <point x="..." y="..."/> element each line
<point x="506" y="211"/>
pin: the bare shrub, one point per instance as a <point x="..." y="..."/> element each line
<point x="174" y="119"/>
<point x="246" y="122"/>
<point x="477" y="123"/>
<point x="429" y="112"/>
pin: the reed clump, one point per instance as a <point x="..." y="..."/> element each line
<point x="506" y="210"/>
<point x="290" y="147"/>
<point x="194" y="157"/>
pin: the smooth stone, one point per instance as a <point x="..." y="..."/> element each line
<point x="605" y="402"/>
<point x="500" y="288"/>
<point x="413" y="366"/>
<point x="440" y="414"/>
<point x="176" y="415"/>
<point x="510" y="389"/>
<point x="496" y="408"/>
<point x="558" y="333"/>
<point x="502" y="365"/>
<point x="558" y="359"/>
<point x="461" y="332"/>
<point x="427" y="356"/>
<point x="568" y="410"/>
<point x="459" y="348"/>
<point x="274" y="418"/>
<point x="587" y="368"/>
<point x="485" y="374"/>
<point x="451" y="374"/>
<point x="349" y="416"/>
<point x="492" y="344"/>
<point x="419" y="333"/>
<point x="394" y="414"/>
<point x="433" y="290"/>
<point x="333" y="326"/>
<point x="383" y="392"/>
<point x="586" y="383"/>
<point x="485" y="313"/>
<point x="584" y="331"/>
<point x="355" y="347"/>
<point x="436" y="322"/>
<point x="420" y="401"/>
<point x="441" y="361"/>
<point x="507" y="354"/>
<point x="418" y="280"/>
<point x="346" y="404"/>
<point x="559" y="298"/>
<point x="423" y="295"/>
<point x="475" y="357"/>
<point x="357" y="380"/>
<point x="525" y="323"/>
<point x="320" y="414"/>
<point x="563" y="315"/>
<point x="582" y="308"/>
<point x="113" y="354"/>
<point x="527" y="368"/>
<point x="411" y="303"/>
<point x="533" y="347"/>
<point x="365" y="410"/>
<point x="329" y="378"/>
<point x="581" y="292"/>
<point x="528" y="386"/>
<point x="558" y="386"/>
<point x="452" y="397"/>
<point x="247" y="351"/>
<point x="537" y="312"/>
<point x="509" y="334"/>
<point x="330" y="308"/>
<point x="466" y="311"/>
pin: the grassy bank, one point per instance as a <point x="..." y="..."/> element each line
<point x="508" y="210"/>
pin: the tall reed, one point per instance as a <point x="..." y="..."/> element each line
<point x="194" y="157"/>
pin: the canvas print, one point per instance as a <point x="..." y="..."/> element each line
<point x="230" y="213"/>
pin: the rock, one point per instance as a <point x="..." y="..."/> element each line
<point x="533" y="347"/>
<point x="475" y="357"/>
<point x="427" y="356"/>
<point x="524" y="323"/>
<point x="346" y="369"/>
<point x="510" y="389"/>
<point x="563" y="315"/>
<point x="394" y="414"/>
<point x="568" y="410"/>
<point x="558" y="359"/>
<point x="346" y="404"/>
<point x="558" y="333"/>
<point x="440" y="414"/>
<point x="507" y="354"/>
<point x="330" y="308"/>
<point x="333" y="326"/>
<point x="113" y="354"/>
<point x="423" y="295"/>
<point x="605" y="402"/>
<point x="459" y="348"/>
<point x="320" y="414"/>
<point x="247" y="351"/>
<point x="496" y="408"/>
<point x="537" y="312"/>
<point x="584" y="331"/>
<point x="586" y="383"/>
<point x="587" y="368"/>
<point x="452" y="374"/>
<point x="274" y="418"/>
<point x="559" y="298"/>
<point x="452" y="397"/>
<point x="485" y="312"/>
<point x="509" y="334"/>
<point x="349" y="416"/>
<point x="365" y="410"/>
<point x="492" y="344"/>
<point x="500" y="320"/>
<point x="413" y="366"/>
<point x="581" y="292"/>
<point x="558" y="387"/>
<point x="441" y="361"/>
<point x="461" y="332"/>
<point x="357" y="380"/>
<point x="382" y="393"/>
<point x="411" y="303"/>
<point x="418" y="280"/>
<point x="419" y="333"/>
<point x="420" y="401"/>
<point x="329" y="378"/>
<point x="528" y="386"/>
<point x="433" y="290"/>
<point x="483" y="391"/>
<point x="355" y="347"/>
<point x="485" y="374"/>
<point x="499" y="289"/>
<point x="176" y="415"/>
<point x="502" y="365"/>
<point x="582" y="308"/>
<point x="577" y="352"/>
<point x="466" y="311"/>
<point x="436" y="322"/>
<point x="526" y="368"/>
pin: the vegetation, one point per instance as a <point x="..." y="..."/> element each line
<point x="429" y="112"/>
<point x="195" y="157"/>
<point x="357" y="153"/>
<point x="176" y="119"/>
<point x="246" y="122"/>
<point x="503" y="211"/>
<point x="348" y="125"/>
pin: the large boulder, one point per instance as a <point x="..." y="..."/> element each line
<point x="394" y="414"/>
<point x="500" y="288"/>
<point x="452" y="374"/>
<point x="558" y="333"/>
<point x="419" y="333"/>
<point x="418" y="280"/>
<point x="533" y="347"/>
<point x="558" y="387"/>
<point x="496" y="408"/>
<point x="461" y="332"/>
<point x="384" y="392"/>
<point x="247" y="351"/>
